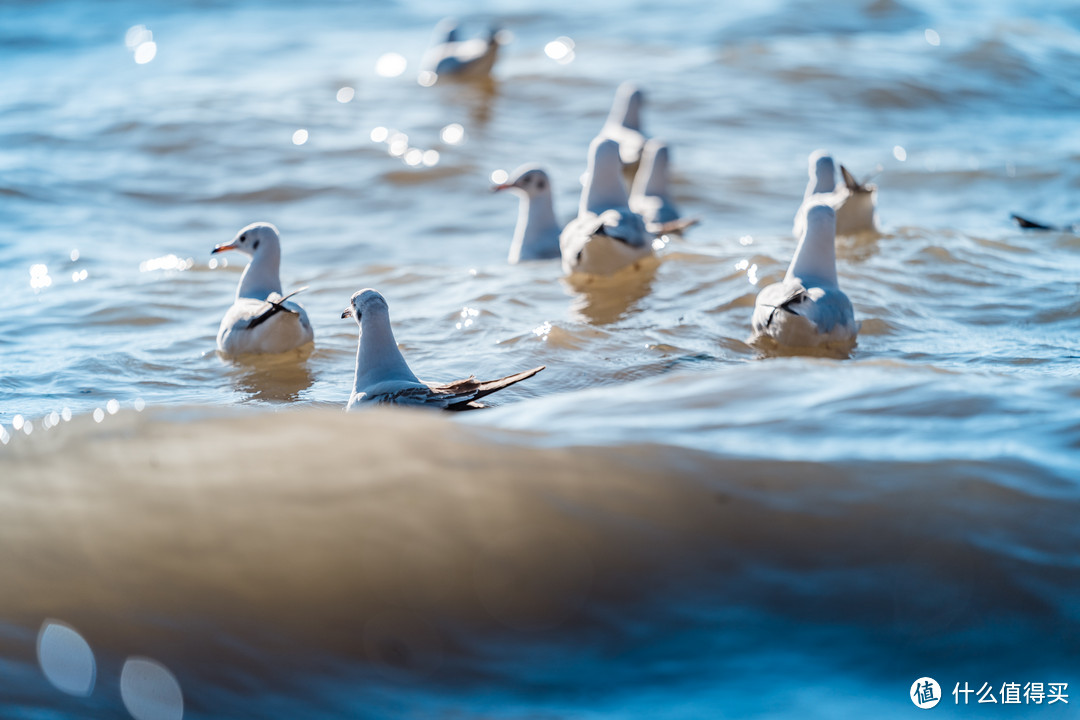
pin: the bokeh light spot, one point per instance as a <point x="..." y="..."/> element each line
<point x="66" y="659"/>
<point x="391" y="65"/>
<point x="453" y="134"/>
<point x="150" y="691"/>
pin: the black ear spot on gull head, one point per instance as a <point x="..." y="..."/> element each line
<point x="255" y="245"/>
<point x="540" y="184"/>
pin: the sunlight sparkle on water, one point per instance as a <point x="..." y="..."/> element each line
<point x="39" y="276"/>
<point x="431" y="158"/>
<point x="166" y="262"/>
<point x="74" y="255"/>
<point x="561" y="50"/>
<point x="379" y="134"/>
<point x="414" y="157"/>
<point x="391" y="65"/>
<point x="300" y="137"/>
<point x="899" y="153"/>
<point x="136" y="35"/>
<point x="399" y="144"/>
<point x="345" y="94"/>
<point x="746" y="240"/>
<point x="499" y="177"/>
<point x="453" y="134"/>
<point x="932" y="37"/>
<point x="542" y="331"/>
<point x="78" y="275"/>
<point x="467" y="314"/>
<point x="99" y="415"/>
<point x="145" y="52"/>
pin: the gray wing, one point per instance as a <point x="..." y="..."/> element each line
<point x="458" y="395"/>
<point x="776" y="298"/>
<point x="624" y="225"/>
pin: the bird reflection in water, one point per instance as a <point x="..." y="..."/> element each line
<point x="600" y="300"/>
<point x="277" y="378"/>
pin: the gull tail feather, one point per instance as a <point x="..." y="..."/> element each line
<point x="484" y="388"/>
<point x="673" y="227"/>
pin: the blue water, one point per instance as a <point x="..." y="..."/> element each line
<point x="664" y="523"/>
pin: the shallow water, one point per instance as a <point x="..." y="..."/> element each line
<point x="661" y="524"/>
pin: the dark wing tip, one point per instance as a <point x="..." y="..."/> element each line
<point x="1029" y="224"/>
<point x="850" y="181"/>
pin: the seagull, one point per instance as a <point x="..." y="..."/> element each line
<point x="384" y="378"/>
<point x="462" y="59"/>
<point x="807" y="308"/>
<point x="854" y="203"/>
<point x="1026" y="224"/>
<point x="536" y="236"/>
<point x="261" y="319"/>
<point x="650" y="196"/>
<point x="606" y="235"/>
<point x="623" y="125"/>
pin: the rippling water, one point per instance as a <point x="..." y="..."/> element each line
<point x="661" y="524"/>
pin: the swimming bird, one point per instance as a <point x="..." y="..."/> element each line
<point x="261" y="319"/>
<point x="623" y="125"/>
<point x="855" y="203"/>
<point x="606" y="235"/>
<point x="384" y="378"/>
<point x="808" y="308"/>
<point x="451" y="57"/>
<point x="536" y="236"/>
<point x="650" y="195"/>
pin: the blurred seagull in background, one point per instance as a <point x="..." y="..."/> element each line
<point x="451" y="57"/>
<point x="261" y="319"/>
<point x="807" y="308"/>
<point x="650" y="195"/>
<point x="384" y="378"/>
<point x="536" y="236"/>
<point x="623" y="125"/>
<point x="855" y="203"/>
<point x="606" y="235"/>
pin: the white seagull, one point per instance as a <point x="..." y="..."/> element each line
<point x="261" y="319"/>
<point x="807" y="308"/>
<point x="855" y="203"/>
<point x="536" y="236"/>
<point x="451" y="57"/>
<point x="384" y="378"/>
<point x="650" y="195"/>
<point x="606" y="235"/>
<point x="623" y="124"/>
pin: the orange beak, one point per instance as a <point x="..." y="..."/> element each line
<point x="504" y="186"/>
<point x="223" y="248"/>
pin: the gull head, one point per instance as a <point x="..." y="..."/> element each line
<point x="821" y="221"/>
<point x="528" y="179"/>
<point x="821" y="165"/>
<point x="446" y="31"/>
<point x="604" y="156"/>
<point x="365" y="300"/>
<point x="822" y="171"/>
<point x="259" y="237"/>
<point x="626" y="110"/>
